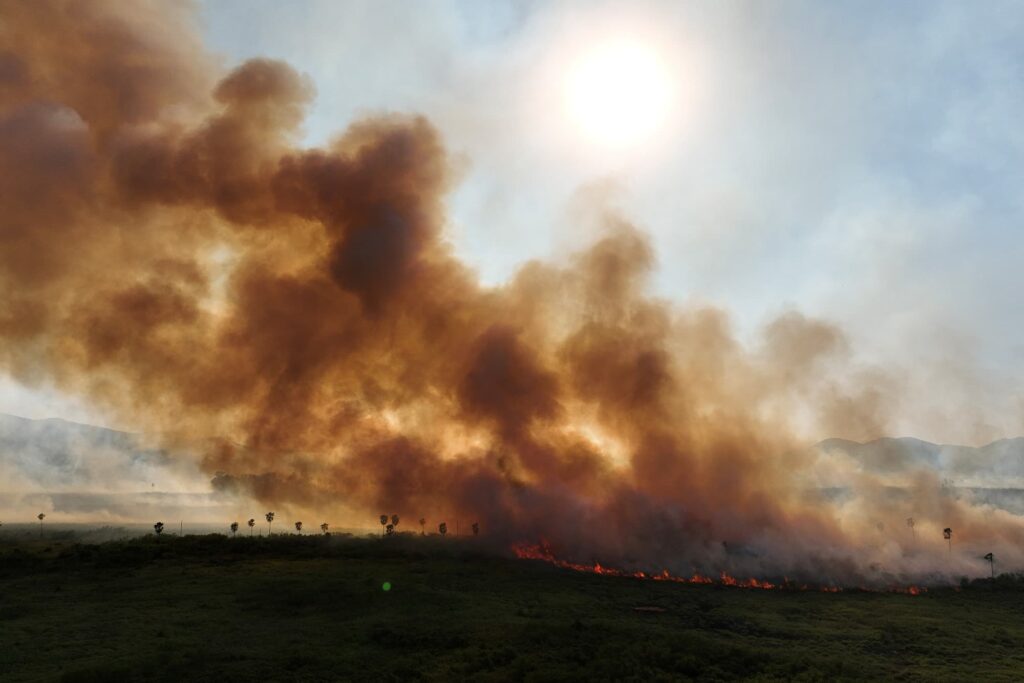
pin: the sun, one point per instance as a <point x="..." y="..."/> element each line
<point x="618" y="95"/>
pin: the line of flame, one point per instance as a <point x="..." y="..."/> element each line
<point x="543" y="552"/>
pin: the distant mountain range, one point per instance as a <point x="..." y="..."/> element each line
<point x="81" y="470"/>
<point x="57" y="453"/>
<point x="998" y="464"/>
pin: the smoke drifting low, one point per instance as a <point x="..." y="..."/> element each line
<point x="168" y="249"/>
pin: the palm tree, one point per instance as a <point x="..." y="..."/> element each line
<point x="234" y="528"/>
<point x="394" y="520"/>
<point x="390" y="529"/>
<point x="324" y="527"/>
<point x="383" y="523"/>
<point x="947" y="534"/>
<point x="476" y="529"/>
<point x="41" y="516"/>
<point x="443" y="528"/>
<point x="298" y="527"/>
<point x="252" y="523"/>
<point x="423" y="526"/>
<point x="158" y="528"/>
<point x="270" y="522"/>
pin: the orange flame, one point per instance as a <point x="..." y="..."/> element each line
<point x="544" y="553"/>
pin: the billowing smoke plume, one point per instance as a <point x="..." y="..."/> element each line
<point x="296" y="315"/>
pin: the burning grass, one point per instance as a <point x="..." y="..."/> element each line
<point x="544" y="553"/>
<point x="209" y="608"/>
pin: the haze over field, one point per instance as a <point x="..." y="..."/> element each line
<point x="298" y="321"/>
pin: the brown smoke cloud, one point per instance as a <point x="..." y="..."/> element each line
<point x="297" y="317"/>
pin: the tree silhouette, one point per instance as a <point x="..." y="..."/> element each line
<point x="394" y="520"/>
<point x="270" y="522"/>
<point x="383" y="524"/>
<point x="423" y="526"/>
<point x="390" y="529"/>
<point x="41" y="516"/>
<point x="324" y="527"/>
<point x="252" y="523"/>
<point x="910" y="523"/>
<point x="443" y="528"/>
<point x="476" y="529"/>
<point x="992" y="563"/>
<point x="234" y="528"/>
<point x="298" y="527"/>
<point x="158" y="528"/>
<point x="947" y="534"/>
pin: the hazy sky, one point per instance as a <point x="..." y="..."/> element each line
<point x="859" y="162"/>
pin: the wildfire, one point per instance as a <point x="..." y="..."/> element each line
<point x="544" y="553"/>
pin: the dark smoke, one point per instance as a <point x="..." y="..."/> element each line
<point x="168" y="249"/>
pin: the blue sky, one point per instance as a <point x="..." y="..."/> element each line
<point x="859" y="162"/>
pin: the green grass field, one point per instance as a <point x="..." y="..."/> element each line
<point x="207" y="608"/>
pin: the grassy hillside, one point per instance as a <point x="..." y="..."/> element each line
<point x="313" y="608"/>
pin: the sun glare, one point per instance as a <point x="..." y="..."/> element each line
<point x="618" y="95"/>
